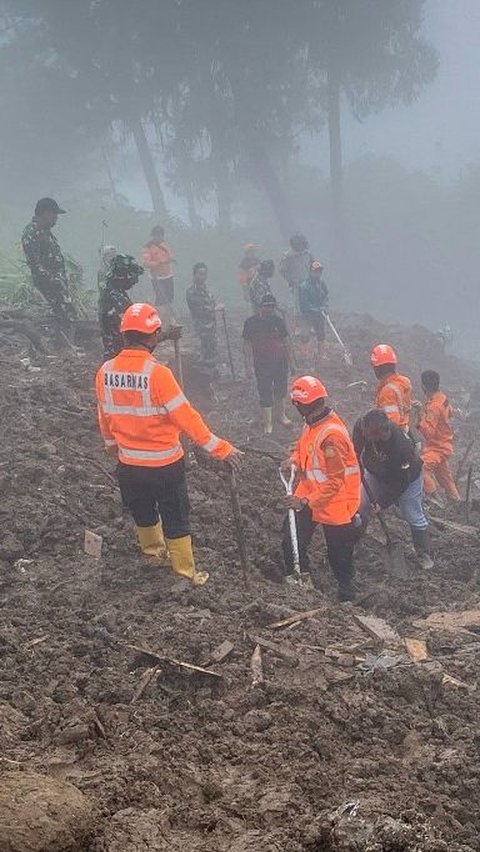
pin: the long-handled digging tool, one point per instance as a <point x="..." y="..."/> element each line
<point x="394" y="557"/>
<point x="178" y="361"/>
<point x="298" y="577"/>
<point x="347" y="357"/>
<point x="229" y="348"/>
<point x="238" y="522"/>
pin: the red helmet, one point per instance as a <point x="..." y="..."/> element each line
<point x="141" y="317"/>
<point x="307" y="389"/>
<point x="382" y="354"/>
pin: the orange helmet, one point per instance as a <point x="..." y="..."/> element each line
<point x="141" y="317"/>
<point x="382" y="354"/>
<point x="307" y="389"/>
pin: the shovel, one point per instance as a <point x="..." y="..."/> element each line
<point x="394" y="557"/>
<point x="297" y="578"/>
<point x="347" y="357"/>
<point x="227" y="341"/>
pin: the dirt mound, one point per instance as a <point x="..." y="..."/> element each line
<point x="345" y="744"/>
<point x="39" y="814"/>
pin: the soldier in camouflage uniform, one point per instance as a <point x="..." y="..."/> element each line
<point x="47" y="264"/>
<point x="114" y="300"/>
<point x="202" y="308"/>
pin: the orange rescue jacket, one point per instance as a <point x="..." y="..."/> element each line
<point x="394" y="395"/>
<point x="329" y="474"/>
<point x="435" y="426"/>
<point x="158" y="259"/>
<point x="142" y="410"/>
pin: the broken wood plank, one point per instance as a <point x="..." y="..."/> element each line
<point x="416" y="649"/>
<point x="452" y="681"/>
<point x="378" y="629"/>
<point x="161" y="658"/>
<point x="444" y="524"/>
<point x="221" y="652"/>
<point x="455" y="621"/>
<point x="293" y="619"/>
<point x="34" y="642"/>
<point x="93" y="544"/>
<point x="256" y="666"/>
<point x="282" y="652"/>
<point x="145" y="680"/>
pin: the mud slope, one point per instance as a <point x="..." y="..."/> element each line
<point x="346" y="744"/>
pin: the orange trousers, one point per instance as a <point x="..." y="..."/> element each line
<point x="436" y="470"/>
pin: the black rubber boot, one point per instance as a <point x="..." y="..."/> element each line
<point x="421" y="543"/>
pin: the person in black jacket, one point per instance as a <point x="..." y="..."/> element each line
<point x="392" y="471"/>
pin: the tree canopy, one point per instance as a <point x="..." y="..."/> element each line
<point x="211" y="92"/>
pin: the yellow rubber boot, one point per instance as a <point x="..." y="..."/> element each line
<point x="279" y="413"/>
<point x="181" y="556"/>
<point x="267" y="421"/>
<point x="152" y="542"/>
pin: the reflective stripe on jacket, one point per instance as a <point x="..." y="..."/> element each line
<point x="394" y="395"/>
<point x="435" y="426"/>
<point x="142" y="409"/>
<point x="329" y="471"/>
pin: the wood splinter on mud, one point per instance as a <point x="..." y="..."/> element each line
<point x="256" y="666"/>
<point x="378" y="629"/>
<point x="294" y="619"/>
<point x="161" y="658"/>
<point x="279" y="650"/>
<point x="148" y="676"/>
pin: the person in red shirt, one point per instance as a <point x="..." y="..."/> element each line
<point x="267" y="349"/>
<point x="434" y="425"/>
<point x="157" y="257"/>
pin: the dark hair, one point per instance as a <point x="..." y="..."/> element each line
<point x="267" y="268"/>
<point x="158" y="229"/>
<point x="430" y="380"/>
<point x="298" y="242"/>
<point x="376" y="420"/>
<point x="134" y="337"/>
<point x="198" y="266"/>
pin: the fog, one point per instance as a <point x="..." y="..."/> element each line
<point x="352" y="121"/>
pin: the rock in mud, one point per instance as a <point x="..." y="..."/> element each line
<point x="39" y="814"/>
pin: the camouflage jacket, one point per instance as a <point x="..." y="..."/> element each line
<point x="112" y="304"/>
<point x="257" y="289"/>
<point x="44" y="255"/>
<point x="201" y="305"/>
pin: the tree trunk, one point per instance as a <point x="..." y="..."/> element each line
<point x="264" y="174"/>
<point x="148" y="166"/>
<point x="193" y="216"/>
<point x="108" y="171"/>
<point x="224" y="197"/>
<point x="335" y="135"/>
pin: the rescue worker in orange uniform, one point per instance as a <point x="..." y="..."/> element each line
<point x="142" y="411"/>
<point x="434" y="425"/>
<point x="394" y="391"/>
<point x="327" y="489"/>
<point x="157" y="257"/>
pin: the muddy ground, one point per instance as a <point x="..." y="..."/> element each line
<point x="346" y="744"/>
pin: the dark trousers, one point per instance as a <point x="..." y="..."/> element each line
<point x="157" y="492"/>
<point x="272" y="382"/>
<point x="163" y="289"/>
<point x="340" y="542"/>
